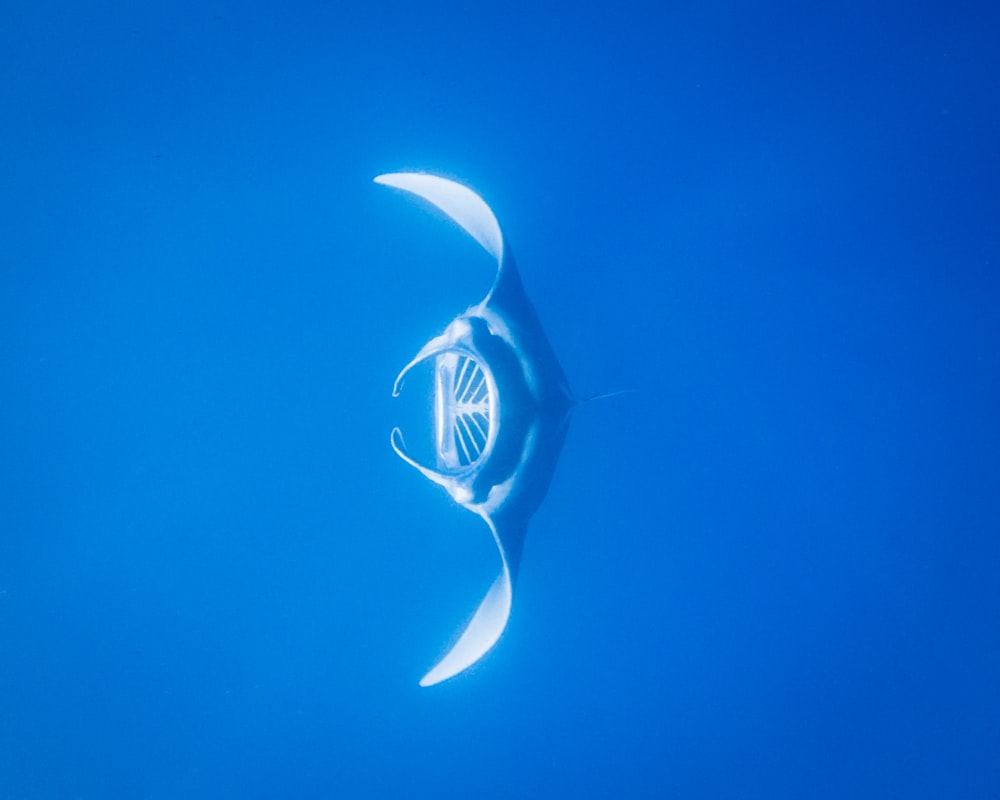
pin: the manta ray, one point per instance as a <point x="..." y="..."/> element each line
<point x="501" y="411"/>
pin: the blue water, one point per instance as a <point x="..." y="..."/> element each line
<point x="771" y="572"/>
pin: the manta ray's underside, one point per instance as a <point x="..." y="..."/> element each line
<point x="501" y="409"/>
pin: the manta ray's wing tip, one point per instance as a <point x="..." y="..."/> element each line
<point x="478" y="638"/>
<point x="457" y="201"/>
<point x="403" y="180"/>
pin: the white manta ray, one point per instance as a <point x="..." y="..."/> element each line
<point x="501" y="411"/>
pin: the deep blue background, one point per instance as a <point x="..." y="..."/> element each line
<point x="772" y="572"/>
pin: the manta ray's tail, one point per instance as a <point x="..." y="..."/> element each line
<point x="601" y="396"/>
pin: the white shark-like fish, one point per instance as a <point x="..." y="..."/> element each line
<point x="501" y="411"/>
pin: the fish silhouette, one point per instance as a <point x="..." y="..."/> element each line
<point x="501" y="411"/>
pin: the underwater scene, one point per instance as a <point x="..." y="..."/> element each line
<point x="443" y="400"/>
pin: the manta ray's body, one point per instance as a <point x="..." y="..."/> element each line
<point x="502" y="407"/>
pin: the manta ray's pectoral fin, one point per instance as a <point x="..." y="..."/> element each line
<point x="476" y="218"/>
<point x="490" y="619"/>
<point x="480" y="635"/>
<point x="459" y="202"/>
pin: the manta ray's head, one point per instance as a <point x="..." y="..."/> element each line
<point x="466" y="410"/>
<point x="482" y="410"/>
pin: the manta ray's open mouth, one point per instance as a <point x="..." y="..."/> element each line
<point x="466" y="411"/>
<point x="463" y="399"/>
